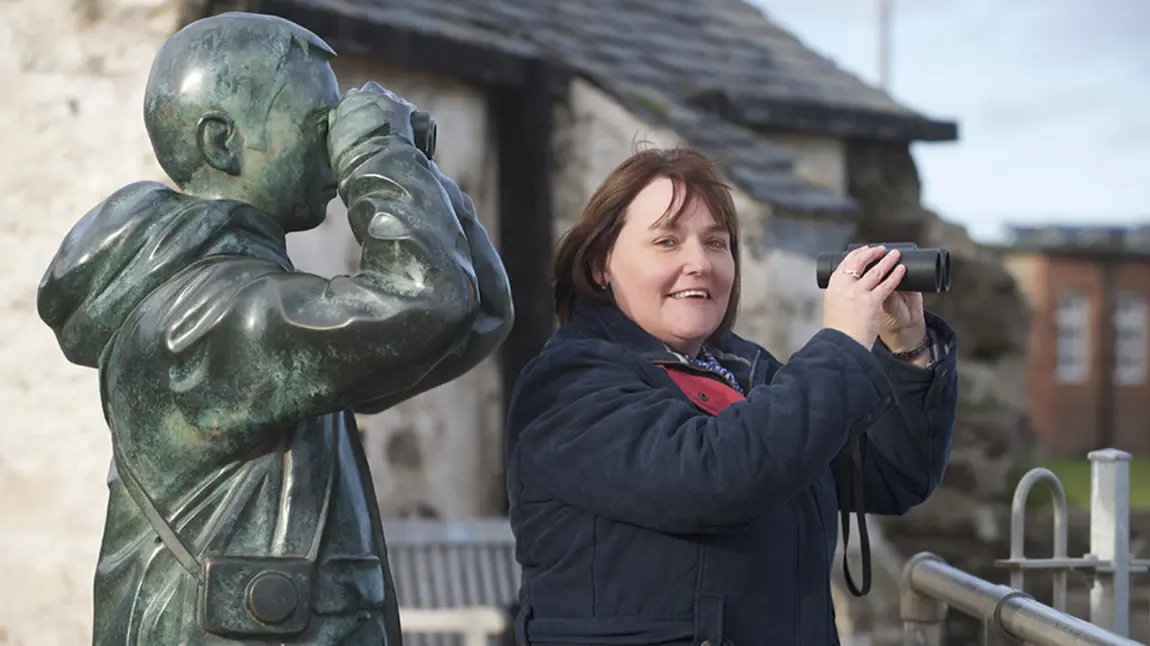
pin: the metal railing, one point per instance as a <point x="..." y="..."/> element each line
<point x="929" y="585"/>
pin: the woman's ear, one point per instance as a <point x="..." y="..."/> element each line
<point x="601" y="278"/>
<point x="600" y="274"/>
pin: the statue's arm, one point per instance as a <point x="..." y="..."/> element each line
<point x="248" y="344"/>
<point x="496" y="314"/>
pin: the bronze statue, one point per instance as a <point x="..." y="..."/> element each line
<point x="241" y="509"/>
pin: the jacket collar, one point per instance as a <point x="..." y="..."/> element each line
<point x="607" y="322"/>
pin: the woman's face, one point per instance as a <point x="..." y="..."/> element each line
<point x="674" y="281"/>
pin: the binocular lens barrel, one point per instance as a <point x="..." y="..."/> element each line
<point x="927" y="270"/>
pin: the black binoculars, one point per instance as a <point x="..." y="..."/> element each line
<point x="927" y="270"/>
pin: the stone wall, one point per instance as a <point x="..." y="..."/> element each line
<point x="781" y="306"/>
<point x="74" y="74"/>
<point x="821" y="160"/>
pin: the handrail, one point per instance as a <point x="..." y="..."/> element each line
<point x="929" y="585"/>
<point x="928" y="579"/>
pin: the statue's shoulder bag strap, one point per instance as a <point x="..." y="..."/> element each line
<point x="242" y="595"/>
<point x="236" y="499"/>
<point x="168" y="535"/>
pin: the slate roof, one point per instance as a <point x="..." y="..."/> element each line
<point x="713" y="71"/>
<point x="1081" y="240"/>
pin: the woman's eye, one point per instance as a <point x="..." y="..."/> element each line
<point x="665" y="242"/>
<point x="718" y="243"/>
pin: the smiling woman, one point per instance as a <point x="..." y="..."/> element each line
<point x="671" y="482"/>
<point x="664" y="236"/>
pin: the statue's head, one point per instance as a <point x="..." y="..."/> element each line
<point x="237" y="107"/>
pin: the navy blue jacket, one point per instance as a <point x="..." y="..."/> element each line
<point x="641" y="519"/>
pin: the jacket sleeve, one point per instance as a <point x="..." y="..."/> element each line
<point x="243" y="345"/>
<point x="493" y="321"/>
<point x="904" y="455"/>
<point x="588" y="430"/>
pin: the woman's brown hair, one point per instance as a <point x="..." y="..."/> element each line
<point x="583" y="250"/>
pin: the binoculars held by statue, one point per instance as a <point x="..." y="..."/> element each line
<point x="927" y="270"/>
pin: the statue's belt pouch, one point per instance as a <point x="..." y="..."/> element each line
<point x="250" y="596"/>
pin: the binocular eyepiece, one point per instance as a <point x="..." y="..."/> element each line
<point x="927" y="270"/>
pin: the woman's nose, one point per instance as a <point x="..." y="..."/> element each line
<point x="695" y="259"/>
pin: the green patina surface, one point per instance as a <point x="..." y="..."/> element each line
<point x="241" y="508"/>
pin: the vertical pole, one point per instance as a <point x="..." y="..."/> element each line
<point x="1110" y="539"/>
<point x="922" y="616"/>
<point x="885" y="18"/>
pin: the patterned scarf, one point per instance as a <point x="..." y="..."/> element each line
<point x="707" y="361"/>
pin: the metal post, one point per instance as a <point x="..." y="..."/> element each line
<point x="1018" y="560"/>
<point x="1110" y="539"/>
<point x="922" y="616"/>
<point x="885" y="18"/>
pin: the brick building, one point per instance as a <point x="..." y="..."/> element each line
<point x="1088" y="290"/>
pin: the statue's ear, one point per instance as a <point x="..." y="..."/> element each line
<point x="220" y="142"/>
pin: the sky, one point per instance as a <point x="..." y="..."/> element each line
<point x="1052" y="100"/>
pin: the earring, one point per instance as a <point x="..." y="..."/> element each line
<point x="604" y="286"/>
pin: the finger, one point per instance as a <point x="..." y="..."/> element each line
<point x="372" y="87"/>
<point x="352" y="101"/>
<point x="856" y="261"/>
<point x="887" y="286"/>
<point x="890" y="303"/>
<point x="854" y="257"/>
<point x="354" y="121"/>
<point x="875" y="274"/>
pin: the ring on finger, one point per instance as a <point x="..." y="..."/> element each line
<point x="853" y="273"/>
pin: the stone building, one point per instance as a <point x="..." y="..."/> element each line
<point x="1088" y="289"/>
<point x="536" y="103"/>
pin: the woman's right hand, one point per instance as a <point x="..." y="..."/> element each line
<point x="852" y="303"/>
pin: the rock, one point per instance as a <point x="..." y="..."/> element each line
<point x="984" y="305"/>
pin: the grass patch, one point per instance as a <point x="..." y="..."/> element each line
<point x="1075" y="477"/>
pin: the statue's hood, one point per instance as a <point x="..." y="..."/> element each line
<point x="127" y="246"/>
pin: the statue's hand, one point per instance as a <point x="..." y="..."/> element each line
<point x="364" y="113"/>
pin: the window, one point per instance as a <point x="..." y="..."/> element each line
<point x="1130" y="339"/>
<point x="1070" y="319"/>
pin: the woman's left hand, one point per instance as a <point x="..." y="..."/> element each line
<point x="903" y="323"/>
